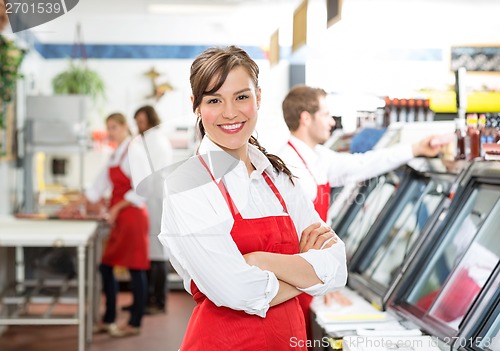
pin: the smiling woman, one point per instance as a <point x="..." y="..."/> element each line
<point x="229" y="115"/>
<point x="234" y="74"/>
<point x="243" y="240"/>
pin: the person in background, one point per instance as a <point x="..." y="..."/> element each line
<point x="127" y="245"/>
<point x="4" y="19"/>
<point x="318" y="168"/>
<point x="245" y="241"/>
<point x="146" y="117"/>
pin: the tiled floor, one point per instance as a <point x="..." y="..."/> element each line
<point x="159" y="332"/>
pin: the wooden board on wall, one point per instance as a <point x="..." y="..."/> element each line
<point x="300" y="26"/>
<point x="476" y="58"/>
<point x="274" y="49"/>
<point x="333" y="12"/>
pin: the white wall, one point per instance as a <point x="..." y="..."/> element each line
<point x="351" y="55"/>
<point x="8" y="183"/>
<point x="271" y="128"/>
<point x="352" y="58"/>
<point x="127" y="86"/>
<point x="250" y="23"/>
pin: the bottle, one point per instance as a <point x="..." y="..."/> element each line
<point x="410" y="115"/>
<point x="387" y="112"/>
<point x="403" y="112"/>
<point x="496" y="125"/>
<point x="489" y="130"/>
<point x="429" y="114"/>
<point x="379" y="117"/>
<point x="473" y="136"/>
<point x="460" y="133"/>
<point x="420" y="110"/>
<point x="393" y="116"/>
<point x="481" y="126"/>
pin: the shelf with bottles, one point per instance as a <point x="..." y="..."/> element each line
<point x="408" y="110"/>
<point x="474" y="132"/>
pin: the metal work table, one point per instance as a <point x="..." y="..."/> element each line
<point x="16" y="296"/>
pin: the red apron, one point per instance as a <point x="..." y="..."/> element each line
<point x="213" y="328"/>
<point x="321" y="205"/>
<point x="127" y="245"/>
<point x="322" y="200"/>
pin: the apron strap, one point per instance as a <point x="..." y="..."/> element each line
<point x="304" y="161"/>
<point x="275" y="191"/>
<point x="122" y="157"/>
<point x="125" y="151"/>
<point x="223" y="190"/>
<point x="227" y="196"/>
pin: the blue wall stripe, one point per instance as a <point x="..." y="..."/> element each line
<point x="127" y="51"/>
<point x="134" y="51"/>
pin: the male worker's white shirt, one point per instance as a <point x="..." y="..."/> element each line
<point x="339" y="168"/>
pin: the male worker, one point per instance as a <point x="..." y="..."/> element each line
<point x="318" y="168"/>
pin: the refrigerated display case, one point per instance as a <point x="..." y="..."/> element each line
<point x="481" y="330"/>
<point x="399" y="229"/>
<point x="358" y="205"/>
<point x="365" y="207"/>
<point x="451" y="271"/>
<point x="348" y="198"/>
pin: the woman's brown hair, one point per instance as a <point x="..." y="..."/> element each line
<point x="151" y="115"/>
<point x="218" y="62"/>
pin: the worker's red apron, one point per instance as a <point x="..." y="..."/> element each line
<point x="213" y="328"/>
<point x="322" y="200"/>
<point x="127" y="245"/>
<point x="321" y="205"/>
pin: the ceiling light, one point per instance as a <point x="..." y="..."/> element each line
<point x="188" y="9"/>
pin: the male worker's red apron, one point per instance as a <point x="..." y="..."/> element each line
<point x="321" y="205"/>
<point x="213" y="328"/>
<point x="127" y="245"/>
<point x="322" y="200"/>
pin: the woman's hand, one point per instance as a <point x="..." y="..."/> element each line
<point x="317" y="236"/>
<point x="338" y="297"/>
<point x="112" y="214"/>
<point x="294" y="269"/>
<point x="74" y="209"/>
<point x="115" y="210"/>
<point x="429" y="146"/>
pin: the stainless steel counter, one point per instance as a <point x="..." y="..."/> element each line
<point x="17" y="295"/>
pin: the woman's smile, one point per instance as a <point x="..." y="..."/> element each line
<point x="231" y="128"/>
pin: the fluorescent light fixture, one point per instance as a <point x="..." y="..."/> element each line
<point x="189" y="9"/>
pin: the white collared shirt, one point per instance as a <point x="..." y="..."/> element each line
<point x="102" y="184"/>
<point x="196" y="226"/>
<point x="339" y="168"/>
